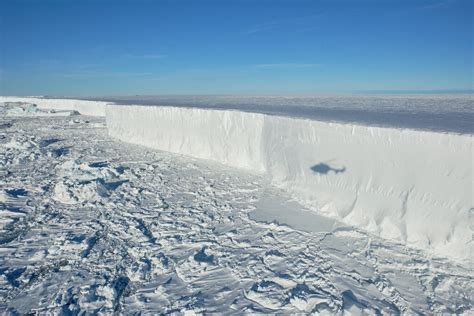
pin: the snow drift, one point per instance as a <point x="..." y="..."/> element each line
<point x="85" y="107"/>
<point x="411" y="186"/>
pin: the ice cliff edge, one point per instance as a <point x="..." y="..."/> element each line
<point x="411" y="186"/>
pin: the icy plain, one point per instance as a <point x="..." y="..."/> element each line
<point x="433" y="112"/>
<point x="92" y="224"/>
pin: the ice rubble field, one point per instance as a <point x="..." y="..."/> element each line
<point x="91" y="224"/>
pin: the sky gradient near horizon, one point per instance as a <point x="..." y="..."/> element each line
<point x="65" y="47"/>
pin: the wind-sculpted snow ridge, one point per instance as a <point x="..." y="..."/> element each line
<point x="84" y="107"/>
<point x="90" y="225"/>
<point x="414" y="187"/>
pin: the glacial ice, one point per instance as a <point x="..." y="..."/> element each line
<point x="411" y="186"/>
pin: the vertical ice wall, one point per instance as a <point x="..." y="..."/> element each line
<point x="411" y="186"/>
<point x="229" y="137"/>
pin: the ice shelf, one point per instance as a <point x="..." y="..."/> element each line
<point x="407" y="185"/>
<point x="411" y="186"/>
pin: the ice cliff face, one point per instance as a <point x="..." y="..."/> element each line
<point x="229" y="137"/>
<point x="411" y="186"/>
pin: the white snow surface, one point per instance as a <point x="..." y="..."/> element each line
<point x="91" y="225"/>
<point x="411" y="186"/>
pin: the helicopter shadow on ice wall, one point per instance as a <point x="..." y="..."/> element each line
<point x="324" y="169"/>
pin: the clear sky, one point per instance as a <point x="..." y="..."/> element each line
<point x="233" y="47"/>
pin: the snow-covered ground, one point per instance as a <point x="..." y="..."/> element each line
<point x="92" y="224"/>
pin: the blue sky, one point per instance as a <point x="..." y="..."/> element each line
<point x="233" y="47"/>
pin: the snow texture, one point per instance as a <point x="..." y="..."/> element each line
<point x="89" y="225"/>
<point x="411" y="186"/>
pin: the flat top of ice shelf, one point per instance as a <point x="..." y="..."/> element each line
<point x="435" y="112"/>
